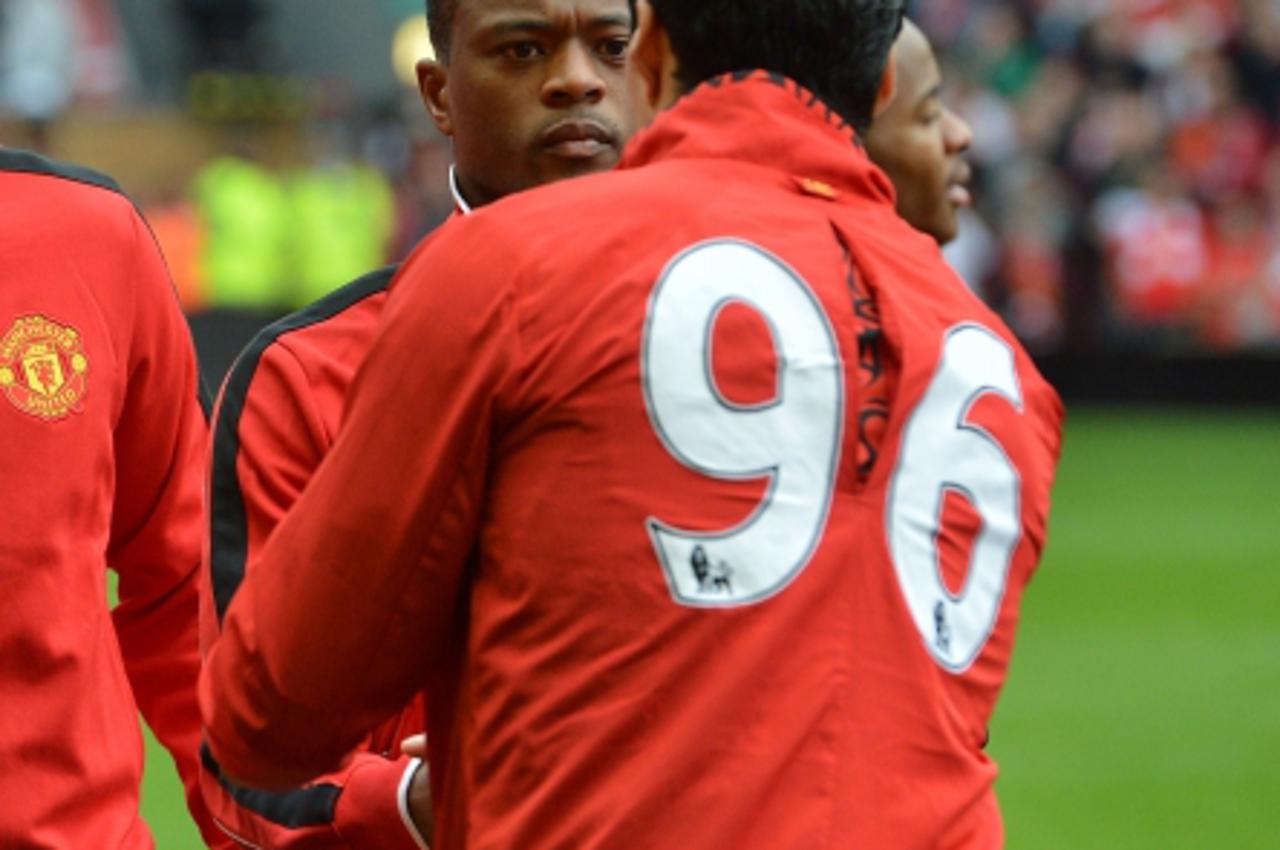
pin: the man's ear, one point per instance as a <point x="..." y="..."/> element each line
<point x="651" y="58"/>
<point x="433" y="86"/>
<point x="888" y="84"/>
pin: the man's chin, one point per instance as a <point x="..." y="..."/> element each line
<point x="946" y="233"/>
<point x="942" y="228"/>
<point x="562" y="167"/>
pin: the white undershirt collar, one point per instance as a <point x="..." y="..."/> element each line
<point x="459" y="201"/>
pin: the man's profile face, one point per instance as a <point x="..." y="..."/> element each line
<point x="920" y="143"/>
<point x="535" y="91"/>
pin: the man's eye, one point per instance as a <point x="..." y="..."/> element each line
<point x="615" y="48"/>
<point x="522" y="51"/>
<point x="931" y="116"/>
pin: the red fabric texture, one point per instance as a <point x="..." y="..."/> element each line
<point x="108" y="480"/>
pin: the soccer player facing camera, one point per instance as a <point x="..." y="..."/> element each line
<point x="604" y="490"/>
<point x="529" y="93"/>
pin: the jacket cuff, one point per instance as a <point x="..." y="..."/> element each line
<point x="402" y="799"/>
<point x="373" y="811"/>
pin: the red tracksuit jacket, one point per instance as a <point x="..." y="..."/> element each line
<point x="276" y="418"/>
<point x="597" y="488"/>
<point x="101" y="439"/>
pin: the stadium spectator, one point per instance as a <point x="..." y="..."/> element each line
<point x="631" y="546"/>
<point x="1155" y="239"/>
<point x="342" y="218"/>
<point x="523" y="107"/>
<point x="37" y="70"/>
<point x="101" y="442"/>
<point x="245" y="220"/>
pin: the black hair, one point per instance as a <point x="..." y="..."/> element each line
<point x="440" y="24"/>
<point x="440" y="14"/>
<point x="837" y="49"/>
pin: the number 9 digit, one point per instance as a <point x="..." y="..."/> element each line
<point x="793" y="439"/>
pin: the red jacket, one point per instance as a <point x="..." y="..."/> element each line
<point x="277" y="414"/>
<point x="101" y="434"/>
<point x="598" y="489"/>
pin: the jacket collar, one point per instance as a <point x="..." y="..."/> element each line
<point x="768" y="120"/>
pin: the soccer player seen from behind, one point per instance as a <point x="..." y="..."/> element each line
<point x="601" y="489"/>
<point x="101" y="442"/>
<point x="530" y="92"/>
<point x="920" y="143"/>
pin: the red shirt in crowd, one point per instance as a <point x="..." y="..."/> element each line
<point x="101" y="439"/>
<point x="598" y="491"/>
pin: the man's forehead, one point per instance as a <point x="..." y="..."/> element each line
<point x="918" y="74"/>
<point x="482" y="12"/>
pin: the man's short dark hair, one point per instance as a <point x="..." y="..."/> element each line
<point x="440" y="14"/>
<point x="440" y="24"/>
<point x="837" y="49"/>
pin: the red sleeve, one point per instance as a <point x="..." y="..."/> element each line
<point x="346" y="615"/>
<point x="156" y="523"/>
<point x="269" y="436"/>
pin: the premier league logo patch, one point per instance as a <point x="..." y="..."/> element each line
<point x="43" y="368"/>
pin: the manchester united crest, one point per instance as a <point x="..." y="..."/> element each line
<point x="43" y="368"/>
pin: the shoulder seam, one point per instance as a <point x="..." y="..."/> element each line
<point x="25" y="162"/>
<point x="318" y="312"/>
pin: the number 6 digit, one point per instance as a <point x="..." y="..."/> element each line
<point x="794" y="439"/>
<point x="943" y="451"/>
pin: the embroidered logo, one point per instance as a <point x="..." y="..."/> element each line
<point x="817" y="188"/>
<point x="43" y="368"/>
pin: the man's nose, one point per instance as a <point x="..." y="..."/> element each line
<point x="574" y="78"/>
<point x="957" y="132"/>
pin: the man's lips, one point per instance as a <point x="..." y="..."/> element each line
<point x="958" y="188"/>
<point x="578" y="139"/>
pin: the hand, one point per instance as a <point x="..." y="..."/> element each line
<point x="420" y="809"/>
<point x="415" y="746"/>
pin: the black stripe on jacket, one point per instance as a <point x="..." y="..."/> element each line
<point x="228" y="523"/>
<point x="311" y="805"/>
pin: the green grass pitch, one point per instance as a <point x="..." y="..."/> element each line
<point x="1143" y="708"/>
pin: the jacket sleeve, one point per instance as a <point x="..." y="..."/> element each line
<point x="349" y="609"/>
<point x="269" y="436"/>
<point x="155" y="542"/>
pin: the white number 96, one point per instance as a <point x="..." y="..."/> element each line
<point x="794" y="440"/>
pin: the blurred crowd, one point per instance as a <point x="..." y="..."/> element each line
<point x="1126" y="153"/>
<point x="295" y="190"/>
<point x="1127" y="165"/>
<point x="255" y="234"/>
